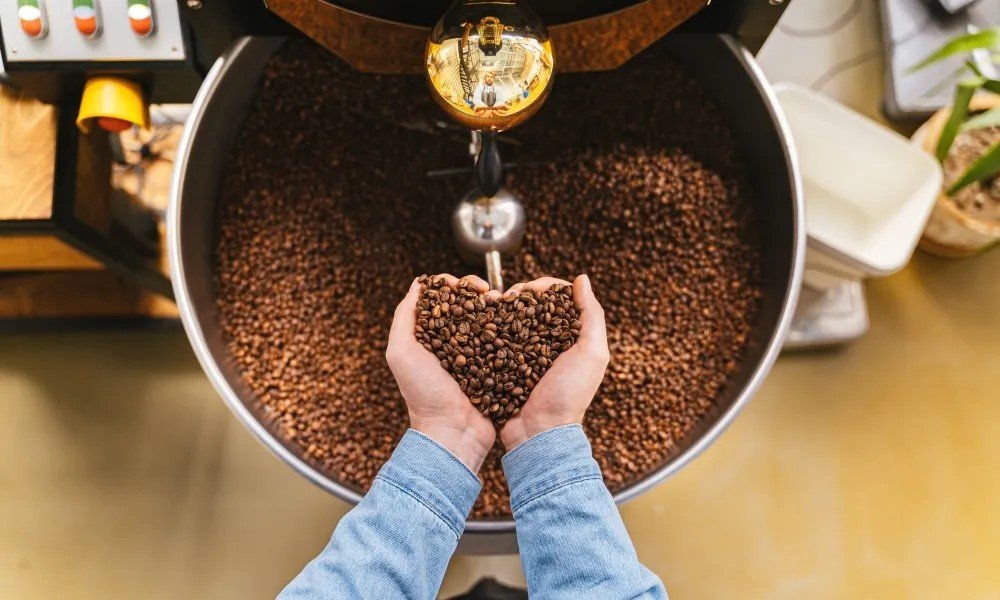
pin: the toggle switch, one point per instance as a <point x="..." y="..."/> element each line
<point x="140" y="17"/>
<point x="86" y="18"/>
<point x="31" y="13"/>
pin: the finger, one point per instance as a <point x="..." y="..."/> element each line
<point x="448" y="278"/>
<point x="514" y="289"/>
<point x="542" y="284"/>
<point x="594" y="331"/>
<point x="477" y="283"/>
<point x="404" y="320"/>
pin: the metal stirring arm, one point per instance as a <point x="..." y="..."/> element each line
<point x="489" y="220"/>
<point x="494" y="271"/>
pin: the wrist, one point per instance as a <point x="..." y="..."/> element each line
<point x="520" y="430"/>
<point x="468" y="443"/>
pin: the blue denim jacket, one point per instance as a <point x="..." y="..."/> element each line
<point x="397" y="542"/>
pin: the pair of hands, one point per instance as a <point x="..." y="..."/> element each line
<point x="440" y="410"/>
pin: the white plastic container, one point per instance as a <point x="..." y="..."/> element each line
<point x="868" y="191"/>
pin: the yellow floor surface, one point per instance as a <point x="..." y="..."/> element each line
<point x="873" y="471"/>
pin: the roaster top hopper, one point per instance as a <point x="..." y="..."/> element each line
<point x="388" y="36"/>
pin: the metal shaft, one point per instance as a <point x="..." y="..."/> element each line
<point x="489" y="168"/>
<point x="494" y="274"/>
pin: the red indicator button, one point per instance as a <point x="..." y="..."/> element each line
<point x="140" y="16"/>
<point x="86" y="18"/>
<point x="31" y="13"/>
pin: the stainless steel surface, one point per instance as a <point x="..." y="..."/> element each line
<point x="216" y="115"/>
<point x="730" y="77"/>
<point x="739" y="90"/>
<point x="488" y="227"/>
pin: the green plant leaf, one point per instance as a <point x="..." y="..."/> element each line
<point x="971" y="65"/>
<point x="990" y="118"/>
<point x="959" y="110"/>
<point x="963" y="44"/>
<point x="985" y="166"/>
<point x="992" y="85"/>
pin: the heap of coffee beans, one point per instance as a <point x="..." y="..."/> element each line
<point x="496" y="348"/>
<point x="327" y="214"/>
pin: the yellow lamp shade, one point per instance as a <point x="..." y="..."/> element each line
<point x="111" y="100"/>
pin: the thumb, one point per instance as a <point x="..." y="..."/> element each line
<point x="591" y="313"/>
<point x="404" y="320"/>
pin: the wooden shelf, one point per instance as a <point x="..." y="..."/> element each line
<point x="38" y="252"/>
<point x="27" y="157"/>
<point x="62" y="264"/>
<point x="79" y="300"/>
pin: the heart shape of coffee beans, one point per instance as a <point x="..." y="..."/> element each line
<point x="497" y="349"/>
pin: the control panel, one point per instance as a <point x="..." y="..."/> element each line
<point x="86" y="31"/>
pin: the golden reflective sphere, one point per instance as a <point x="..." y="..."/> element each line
<point x="490" y="63"/>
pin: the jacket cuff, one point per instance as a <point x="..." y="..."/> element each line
<point x="548" y="461"/>
<point x="433" y="476"/>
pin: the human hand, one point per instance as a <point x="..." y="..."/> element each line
<point x="562" y="395"/>
<point x="436" y="404"/>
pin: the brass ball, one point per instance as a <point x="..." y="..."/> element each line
<point x="490" y="63"/>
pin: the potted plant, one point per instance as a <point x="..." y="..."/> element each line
<point x="965" y="138"/>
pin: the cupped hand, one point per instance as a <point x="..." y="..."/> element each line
<point x="436" y="404"/>
<point x="563" y="394"/>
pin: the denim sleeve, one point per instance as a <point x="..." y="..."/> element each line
<point x="572" y="540"/>
<point x="396" y="543"/>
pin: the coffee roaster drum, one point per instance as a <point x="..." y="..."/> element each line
<point x="729" y="76"/>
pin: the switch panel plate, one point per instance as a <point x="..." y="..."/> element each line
<point x="116" y="41"/>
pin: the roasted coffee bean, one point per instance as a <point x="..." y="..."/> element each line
<point x="318" y="237"/>
<point x="505" y="366"/>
